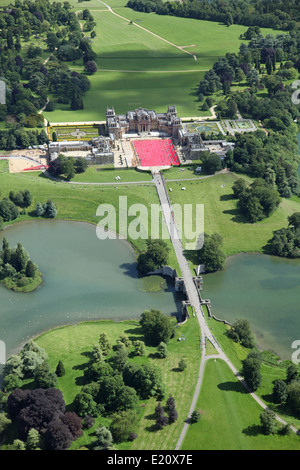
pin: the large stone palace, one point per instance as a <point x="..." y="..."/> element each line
<point x="142" y="120"/>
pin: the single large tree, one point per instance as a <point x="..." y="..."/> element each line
<point x="156" y="327"/>
<point x="155" y="256"/>
<point x="251" y="370"/>
<point x="211" y="254"/>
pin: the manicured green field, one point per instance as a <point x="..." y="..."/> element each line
<point x="70" y="345"/>
<point x="221" y="214"/>
<point x="98" y="174"/>
<point x="230" y="417"/>
<point x="126" y="91"/>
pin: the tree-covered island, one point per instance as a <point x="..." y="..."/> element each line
<point x="17" y="271"/>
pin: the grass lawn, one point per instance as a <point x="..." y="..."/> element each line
<point x="125" y="91"/>
<point x="98" y="174"/>
<point x="222" y="216"/>
<point x="72" y="343"/>
<point x="230" y="417"/>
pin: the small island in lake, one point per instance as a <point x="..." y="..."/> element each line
<point x="17" y="271"/>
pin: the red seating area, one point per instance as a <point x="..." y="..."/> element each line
<point x="39" y="167"/>
<point x="156" y="152"/>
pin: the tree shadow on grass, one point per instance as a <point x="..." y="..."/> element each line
<point x="135" y="334"/>
<point x="226" y="197"/>
<point x="176" y="369"/>
<point x="151" y="428"/>
<point x="81" y="366"/>
<point x="252" y="430"/>
<point x="81" y="381"/>
<point x="192" y="255"/>
<point x="232" y="387"/>
<point x="150" y="417"/>
<point x="237" y="216"/>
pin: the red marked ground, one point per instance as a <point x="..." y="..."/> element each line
<point x="156" y="152"/>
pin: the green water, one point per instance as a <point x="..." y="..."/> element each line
<point x="84" y="279"/>
<point x="265" y="291"/>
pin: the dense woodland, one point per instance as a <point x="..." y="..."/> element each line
<point x="29" y="78"/>
<point x="263" y="13"/>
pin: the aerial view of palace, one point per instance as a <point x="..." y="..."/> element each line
<point x="149" y="227"/>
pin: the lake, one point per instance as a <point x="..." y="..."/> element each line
<point x="84" y="279"/>
<point x="264" y="290"/>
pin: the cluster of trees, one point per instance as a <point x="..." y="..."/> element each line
<point x="210" y="163"/>
<point x="286" y="241"/>
<point x="47" y="209"/>
<point x="162" y="419"/>
<point x="225" y="71"/>
<point x="279" y="15"/>
<point x="155" y="256"/>
<point x="157" y="328"/>
<point x="15" y="265"/>
<point x="43" y="422"/>
<point x="67" y="166"/>
<point x="256" y="201"/>
<point x="288" y="391"/>
<point x="39" y="412"/>
<point x="240" y="332"/>
<point x="16" y="137"/>
<point x="211" y="254"/>
<point x="9" y="207"/>
<point x="8" y="210"/>
<point x="22" y="198"/>
<point x="273" y="158"/>
<point x="113" y="385"/>
<point x="17" y="202"/>
<point x="31" y="363"/>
